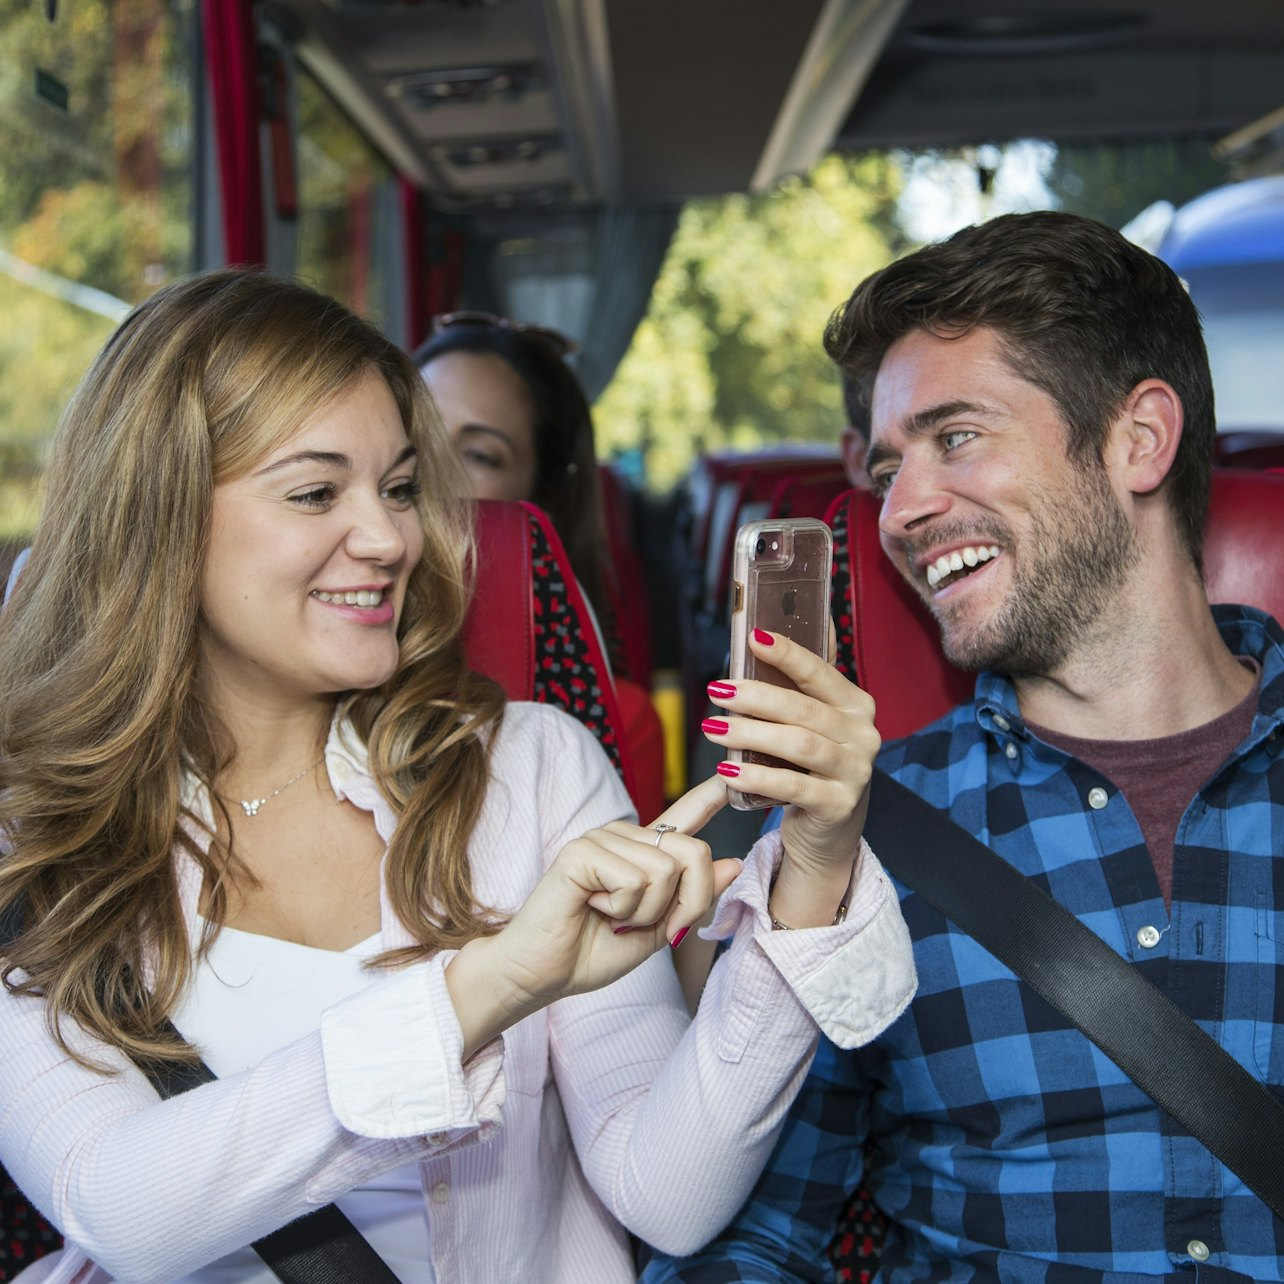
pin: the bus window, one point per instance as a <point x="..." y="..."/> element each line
<point x="96" y="201"/>
<point x="347" y="206"/>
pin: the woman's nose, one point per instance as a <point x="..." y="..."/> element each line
<point x="376" y="534"/>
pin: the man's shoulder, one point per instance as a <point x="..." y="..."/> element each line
<point x="929" y="759"/>
<point x="935" y="746"/>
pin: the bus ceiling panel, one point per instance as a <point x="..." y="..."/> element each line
<point x="699" y="87"/>
<point x="971" y="71"/>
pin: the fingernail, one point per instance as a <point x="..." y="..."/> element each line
<point x="678" y="938"/>
<point x="715" y="726"/>
<point x="619" y="931"/>
<point x="760" y="635"/>
<point x="728" y="769"/>
<point x="721" y="690"/>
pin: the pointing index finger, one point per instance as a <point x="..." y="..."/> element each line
<point x="696" y="808"/>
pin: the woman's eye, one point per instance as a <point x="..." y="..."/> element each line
<point x="403" y="493"/>
<point x="956" y="437"/>
<point x="314" y="497"/>
<point x="482" y="460"/>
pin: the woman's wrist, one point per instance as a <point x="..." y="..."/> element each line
<point x="808" y="897"/>
<point x="486" y="1001"/>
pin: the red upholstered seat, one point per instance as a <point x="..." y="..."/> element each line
<point x="1249" y="448"/>
<point x="890" y="644"/>
<point x="809" y="495"/>
<point x="530" y="628"/>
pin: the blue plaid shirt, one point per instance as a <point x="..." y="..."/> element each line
<point x="1001" y="1143"/>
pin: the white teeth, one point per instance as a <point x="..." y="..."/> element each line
<point x="360" y="597"/>
<point x="949" y="563"/>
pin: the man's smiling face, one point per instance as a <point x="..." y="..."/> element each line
<point x="1017" y="549"/>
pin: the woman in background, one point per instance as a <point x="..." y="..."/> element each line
<point x="523" y="429"/>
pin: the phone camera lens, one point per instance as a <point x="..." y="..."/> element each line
<point x="761" y="547"/>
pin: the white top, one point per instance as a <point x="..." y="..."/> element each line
<point x="250" y="996"/>
<point x="601" y="1109"/>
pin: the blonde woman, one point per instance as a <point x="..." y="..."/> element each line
<point x="255" y="808"/>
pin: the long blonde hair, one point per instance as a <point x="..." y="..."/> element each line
<point x="101" y="712"/>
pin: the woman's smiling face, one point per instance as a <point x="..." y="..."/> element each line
<point x="309" y="556"/>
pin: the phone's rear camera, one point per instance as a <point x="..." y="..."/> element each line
<point x="761" y="547"/>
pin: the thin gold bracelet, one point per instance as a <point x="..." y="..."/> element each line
<point x="778" y="926"/>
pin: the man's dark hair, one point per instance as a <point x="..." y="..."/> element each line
<point x="855" y="405"/>
<point x="1081" y="313"/>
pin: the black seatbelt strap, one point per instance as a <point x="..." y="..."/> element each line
<point x="323" y="1246"/>
<point x="1134" y="1023"/>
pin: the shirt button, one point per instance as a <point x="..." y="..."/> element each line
<point x="1148" y="937"/>
<point x="1010" y="749"/>
<point x="1097" y="798"/>
<point x="1198" y="1250"/>
<point x="1002" y="723"/>
<point x="441" y="1193"/>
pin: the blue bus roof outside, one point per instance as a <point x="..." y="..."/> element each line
<point x="1239" y="223"/>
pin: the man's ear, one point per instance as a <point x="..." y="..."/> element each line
<point x="855" y="448"/>
<point x="1146" y="434"/>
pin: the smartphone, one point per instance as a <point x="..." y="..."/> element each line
<point x="779" y="581"/>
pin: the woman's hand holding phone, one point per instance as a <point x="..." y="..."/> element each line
<point x="825" y="729"/>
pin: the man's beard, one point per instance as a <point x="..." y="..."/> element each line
<point x="1069" y="573"/>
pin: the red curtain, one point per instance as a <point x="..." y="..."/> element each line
<point x="234" y="90"/>
<point x="414" y="230"/>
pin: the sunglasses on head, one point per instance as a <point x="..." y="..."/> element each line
<point x="560" y="343"/>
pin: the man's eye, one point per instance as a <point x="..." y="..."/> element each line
<point x="956" y="437"/>
<point x="881" y="483"/>
<point x="315" y="497"/>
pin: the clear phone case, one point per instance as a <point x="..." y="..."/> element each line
<point x="780" y="582"/>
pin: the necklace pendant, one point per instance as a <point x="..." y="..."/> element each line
<point x="251" y="806"/>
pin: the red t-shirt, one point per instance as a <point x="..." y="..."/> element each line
<point x="1160" y="777"/>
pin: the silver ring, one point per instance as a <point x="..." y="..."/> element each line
<point x="661" y="830"/>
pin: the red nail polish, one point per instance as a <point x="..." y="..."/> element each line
<point x="760" y="635"/>
<point x="721" y="690"/>
<point x="715" y="726"/>
<point x="728" y="769"/>
<point x="678" y="938"/>
<point x="619" y="931"/>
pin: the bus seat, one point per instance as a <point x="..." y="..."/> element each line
<point x="888" y="642"/>
<point x="742" y="489"/>
<point x="809" y="495"/>
<point x="530" y="628"/>
<point x="626" y="582"/>
<point x="725" y="490"/>
<point x="1249" y="449"/>
<point x="887" y="639"/>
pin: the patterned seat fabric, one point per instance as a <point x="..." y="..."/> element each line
<point x="569" y="670"/>
<point x="24" y="1234"/>
<point x="857" y="1245"/>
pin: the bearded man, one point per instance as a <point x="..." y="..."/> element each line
<point x="1042" y="431"/>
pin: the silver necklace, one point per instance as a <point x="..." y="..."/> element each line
<point x="251" y="805"/>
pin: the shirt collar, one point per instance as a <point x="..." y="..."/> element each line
<point x="1244" y="629"/>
